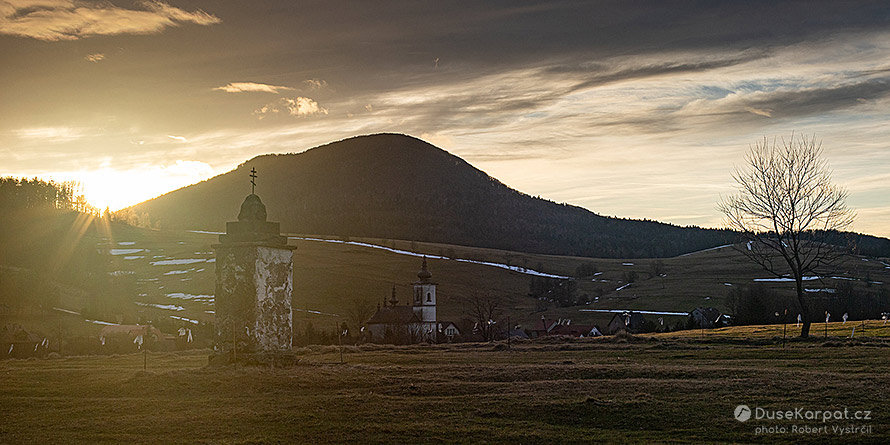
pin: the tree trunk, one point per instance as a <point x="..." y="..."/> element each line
<point x="805" y="315"/>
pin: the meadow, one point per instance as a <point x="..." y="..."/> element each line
<point x="643" y="389"/>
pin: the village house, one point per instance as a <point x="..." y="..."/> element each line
<point x="631" y="322"/>
<point x="705" y="317"/>
<point x="16" y="342"/>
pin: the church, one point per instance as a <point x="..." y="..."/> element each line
<point x="415" y="321"/>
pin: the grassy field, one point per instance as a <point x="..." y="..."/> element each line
<point x="635" y="390"/>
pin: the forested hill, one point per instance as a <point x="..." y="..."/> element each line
<point x="396" y="186"/>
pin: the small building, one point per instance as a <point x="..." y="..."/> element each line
<point x="705" y="317"/>
<point x="16" y="342"/>
<point x="254" y="283"/>
<point x="448" y="330"/>
<point x="632" y="322"/>
<point x="133" y="337"/>
<point x="576" y="330"/>
<point x="542" y="328"/>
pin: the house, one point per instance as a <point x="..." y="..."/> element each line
<point x="542" y="328"/>
<point x="632" y="322"/>
<point x="16" y="342"/>
<point x="449" y="330"/>
<point x="133" y="337"/>
<point x="705" y="317"/>
<point x="576" y="330"/>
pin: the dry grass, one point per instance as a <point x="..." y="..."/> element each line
<point x="631" y="389"/>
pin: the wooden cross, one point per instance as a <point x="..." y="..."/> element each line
<point x="253" y="180"/>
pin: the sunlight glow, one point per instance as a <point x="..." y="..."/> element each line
<point x="118" y="189"/>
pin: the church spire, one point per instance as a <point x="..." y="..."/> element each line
<point x="393" y="301"/>
<point x="253" y="177"/>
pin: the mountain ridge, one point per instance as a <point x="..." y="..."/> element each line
<point x="400" y="187"/>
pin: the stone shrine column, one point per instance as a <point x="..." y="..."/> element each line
<point x="254" y="283"/>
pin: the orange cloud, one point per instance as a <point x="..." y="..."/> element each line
<point x="251" y="87"/>
<point x="54" y="20"/>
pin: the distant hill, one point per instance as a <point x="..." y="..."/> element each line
<point x="399" y="187"/>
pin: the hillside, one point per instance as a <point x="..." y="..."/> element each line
<point x="397" y="187"/>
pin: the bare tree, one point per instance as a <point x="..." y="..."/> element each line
<point x="359" y="311"/>
<point x="484" y="309"/>
<point x="788" y="209"/>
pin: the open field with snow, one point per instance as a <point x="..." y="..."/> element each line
<point x="172" y="276"/>
<point x="636" y="390"/>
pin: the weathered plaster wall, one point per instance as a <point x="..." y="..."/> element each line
<point x="273" y="275"/>
<point x="235" y="299"/>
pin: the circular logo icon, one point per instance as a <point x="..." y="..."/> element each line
<point x="742" y="413"/>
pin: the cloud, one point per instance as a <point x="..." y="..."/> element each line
<point x="95" y="58"/>
<point x="316" y="84"/>
<point x="54" y="20"/>
<point x="178" y="138"/>
<point x="298" y="106"/>
<point x="251" y="87"/>
<point x="51" y="134"/>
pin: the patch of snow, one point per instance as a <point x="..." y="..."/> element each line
<point x="203" y="253"/>
<point x="134" y="257"/>
<point x="621" y="311"/>
<point x="124" y="251"/>
<point x="200" y="270"/>
<point x="712" y="248"/>
<point x="177" y="272"/>
<point x="169" y="307"/>
<point x="185" y="296"/>
<point x="126" y="243"/>
<point x="185" y="319"/>
<point x="316" y="312"/>
<point x="103" y="323"/>
<point x="783" y="280"/>
<point x="66" y="311"/>
<point x="212" y="260"/>
<point x="627" y="264"/>
<point x="178" y="262"/>
<point x="519" y="269"/>
<point x="727" y="284"/>
<point x="209" y="312"/>
<point x="830" y="291"/>
<point x="622" y="287"/>
<point x="147" y="279"/>
<point x="597" y="274"/>
<point x="707" y="298"/>
<point x="843" y="278"/>
<point x="206" y="232"/>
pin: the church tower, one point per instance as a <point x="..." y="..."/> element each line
<point x="254" y="282"/>
<point x="425" y="301"/>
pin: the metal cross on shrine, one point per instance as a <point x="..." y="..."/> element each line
<point x="253" y="180"/>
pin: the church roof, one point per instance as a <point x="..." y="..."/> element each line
<point x="394" y="315"/>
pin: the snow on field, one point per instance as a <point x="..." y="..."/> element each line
<point x="627" y="264"/>
<point x="178" y="262"/>
<point x="185" y="296"/>
<point x="185" y="319"/>
<point x="830" y="291"/>
<point x="125" y="251"/>
<point x="169" y="307"/>
<point x="178" y="272"/>
<point x="843" y="278"/>
<point x="597" y="274"/>
<point x="103" y="323"/>
<point x="727" y="284"/>
<point x="66" y="311"/>
<point x="622" y="287"/>
<point x="203" y="253"/>
<point x="206" y="232"/>
<point x="783" y="280"/>
<point x="434" y="257"/>
<point x="621" y="311"/>
<point x="712" y="248"/>
<point x="126" y="243"/>
<point x="315" y="312"/>
<point x="134" y="257"/>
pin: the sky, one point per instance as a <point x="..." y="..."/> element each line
<point x="633" y="109"/>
